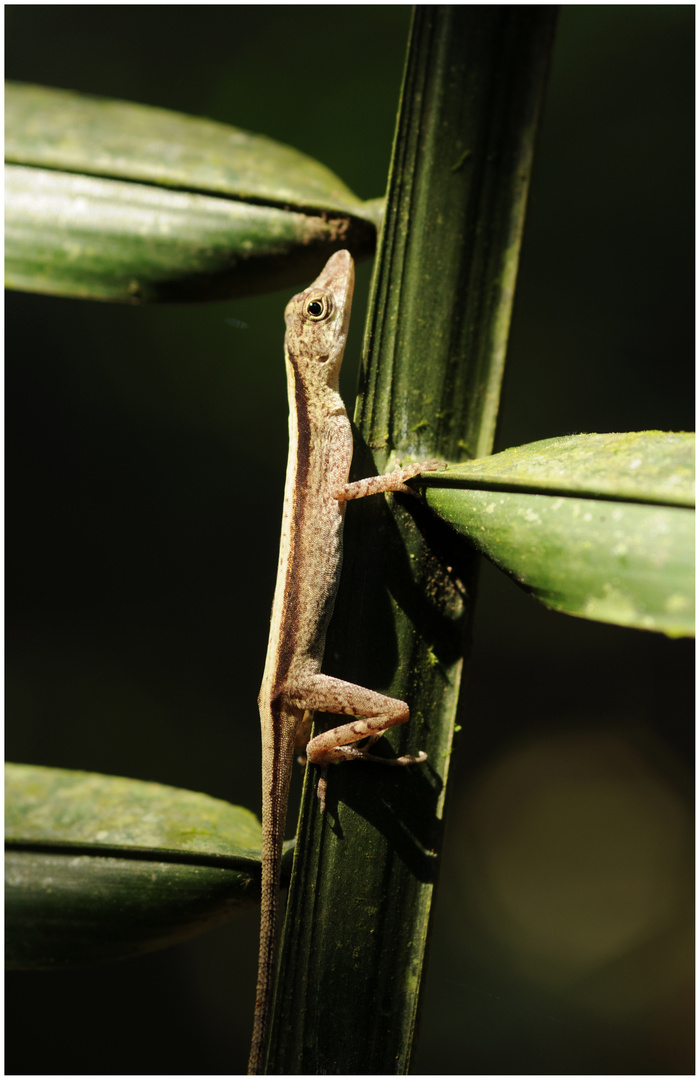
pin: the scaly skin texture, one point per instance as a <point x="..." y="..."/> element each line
<point x="316" y="491"/>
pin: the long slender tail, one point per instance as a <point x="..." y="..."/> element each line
<point x="276" y="778"/>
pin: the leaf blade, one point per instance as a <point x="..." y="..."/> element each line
<point x="90" y="135"/>
<point x="65" y="909"/>
<point x="645" y="466"/>
<point x="70" y="807"/>
<point x="102" y="239"/>
<point x="113" y="201"/>
<point x="626" y="563"/>
<point x="100" y="867"/>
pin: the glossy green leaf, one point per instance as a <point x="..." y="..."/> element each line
<point x="101" y="867"/>
<point x="648" y="466"/>
<point x="114" y="201"/>
<point x="69" y="807"/>
<point x="597" y="526"/>
<point x="65" y="909"/>
<point x="93" y="238"/>
<point x="60" y="129"/>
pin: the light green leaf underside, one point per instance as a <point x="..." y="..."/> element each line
<point x="92" y="238"/>
<point x="100" y="867"/>
<point x="112" y="201"/>
<point x="622" y="554"/>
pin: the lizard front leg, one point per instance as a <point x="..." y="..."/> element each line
<point x="393" y="481"/>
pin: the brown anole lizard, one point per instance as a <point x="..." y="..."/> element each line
<point x="316" y="491"/>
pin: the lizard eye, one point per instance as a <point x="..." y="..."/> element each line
<point x="319" y="308"/>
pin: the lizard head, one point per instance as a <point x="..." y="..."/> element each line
<point x="318" y="318"/>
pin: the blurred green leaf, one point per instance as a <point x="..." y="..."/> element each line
<point x="597" y="526"/>
<point x="115" y="201"/>
<point x="101" y="867"/>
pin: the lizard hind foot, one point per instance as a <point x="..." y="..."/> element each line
<point x="354" y="753"/>
<point x="405" y="759"/>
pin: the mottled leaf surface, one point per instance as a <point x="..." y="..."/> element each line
<point x="597" y="526"/>
<point x="110" y="200"/>
<point x="101" y="867"/>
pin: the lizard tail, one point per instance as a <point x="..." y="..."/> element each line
<point x="276" y="778"/>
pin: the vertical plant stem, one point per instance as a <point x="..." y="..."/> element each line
<point x="360" y="898"/>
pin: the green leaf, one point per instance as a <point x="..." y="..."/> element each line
<point x="597" y="526"/>
<point x="115" y="201"/>
<point x="60" y="129"/>
<point x="69" y="807"/>
<point x="100" y="867"/>
<point x="356" y="930"/>
<point x="647" y="466"/>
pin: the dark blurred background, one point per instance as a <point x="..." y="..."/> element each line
<point x="145" y="461"/>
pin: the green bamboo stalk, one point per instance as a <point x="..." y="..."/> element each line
<point x="359" y="905"/>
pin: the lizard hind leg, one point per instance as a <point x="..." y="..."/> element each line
<point x="373" y="714"/>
